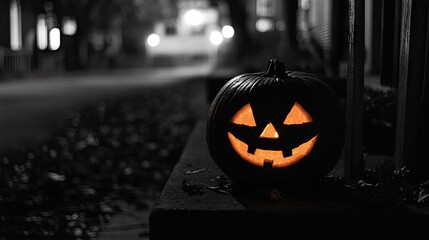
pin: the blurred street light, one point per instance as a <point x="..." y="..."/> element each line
<point x="193" y="17"/>
<point x="153" y="40"/>
<point x="69" y="26"/>
<point x="264" y="25"/>
<point x="15" y="25"/>
<point x="54" y="39"/>
<point x="216" y="38"/>
<point x="227" y="31"/>
<point x="42" y="32"/>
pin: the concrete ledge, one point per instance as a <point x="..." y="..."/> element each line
<point x="195" y="205"/>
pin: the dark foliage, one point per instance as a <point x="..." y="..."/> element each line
<point x="68" y="187"/>
<point x="375" y="187"/>
<point x="385" y="184"/>
<point x="379" y="121"/>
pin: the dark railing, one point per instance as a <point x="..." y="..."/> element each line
<point x="21" y="62"/>
<point x="412" y="89"/>
<point x="14" y="62"/>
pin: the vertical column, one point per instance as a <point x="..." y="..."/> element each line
<point x="411" y="86"/>
<point x="354" y="98"/>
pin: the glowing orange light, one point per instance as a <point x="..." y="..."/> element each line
<point x="269" y="132"/>
<point x="297" y="115"/>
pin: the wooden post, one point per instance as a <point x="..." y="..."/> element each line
<point x="411" y="87"/>
<point x="354" y="112"/>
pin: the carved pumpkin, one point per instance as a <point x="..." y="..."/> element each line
<point x="276" y="126"/>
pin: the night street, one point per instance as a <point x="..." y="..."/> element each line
<point x="29" y="107"/>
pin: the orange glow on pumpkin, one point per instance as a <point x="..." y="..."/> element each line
<point x="297" y="115"/>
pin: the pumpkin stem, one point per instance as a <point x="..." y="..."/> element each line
<point x="275" y="69"/>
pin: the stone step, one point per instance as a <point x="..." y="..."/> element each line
<point x="196" y="203"/>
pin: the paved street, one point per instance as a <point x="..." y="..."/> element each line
<point x="29" y="107"/>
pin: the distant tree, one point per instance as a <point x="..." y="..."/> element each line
<point x="245" y="44"/>
<point x="107" y="15"/>
<point x="239" y="18"/>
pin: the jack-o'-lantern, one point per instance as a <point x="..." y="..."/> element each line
<point x="278" y="126"/>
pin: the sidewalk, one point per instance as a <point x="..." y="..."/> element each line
<point x="29" y="107"/>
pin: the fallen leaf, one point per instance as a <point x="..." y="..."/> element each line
<point x="192" y="188"/>
<point x="195" y="171"/>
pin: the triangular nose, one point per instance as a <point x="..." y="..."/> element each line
<point x="269" y="132"/>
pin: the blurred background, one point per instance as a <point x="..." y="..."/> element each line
<point x="98" y="97"/>
<point x="62" y="36"/>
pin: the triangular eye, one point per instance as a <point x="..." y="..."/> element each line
<point x="244" y="116"/>
<point x="297" y="115"/>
